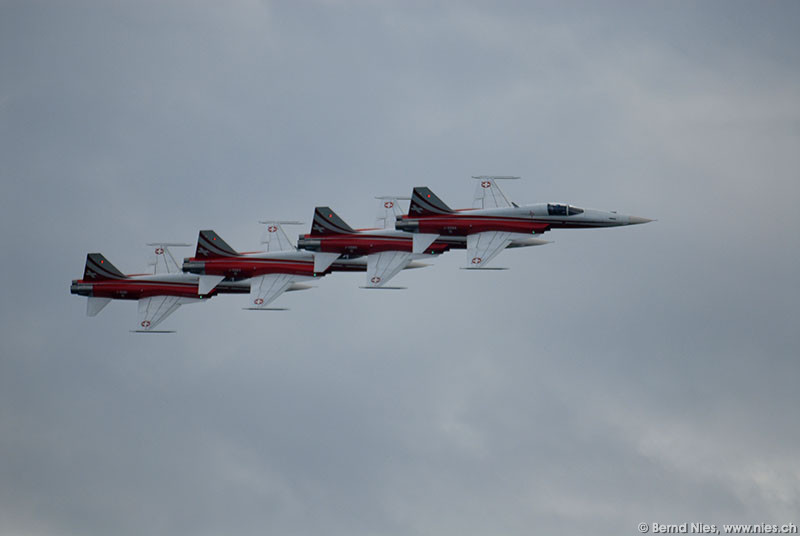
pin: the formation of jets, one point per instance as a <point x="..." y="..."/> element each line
<point x="398" y="242"/>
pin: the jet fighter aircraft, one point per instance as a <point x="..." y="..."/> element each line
<point x="496" y="222"/>
<point x="159" y="293"/>
<point x="269" y="273"/>
<point x="387" y="251"/>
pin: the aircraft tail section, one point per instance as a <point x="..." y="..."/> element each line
<point x="426" y="203"/>
<point x="210" y="245"/>
<point x="389" y="211"/>
<point x="327" y="222"/>
<point x="274" y="237"/>
<point x="99" y="268"/>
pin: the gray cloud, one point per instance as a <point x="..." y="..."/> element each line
<point x="613" y="377"/>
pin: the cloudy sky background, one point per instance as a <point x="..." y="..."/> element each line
<point x="614" y="377"/>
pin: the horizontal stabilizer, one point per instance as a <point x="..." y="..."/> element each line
<point x="95" y="305"/>
<point x="323" y="261"/>
<point x="207" y="283"/>
<point x="423" y="241"/>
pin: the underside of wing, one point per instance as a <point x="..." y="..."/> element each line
<point x="383" y="266"/>
<point x="152" y="311"/>
<point x="95" y="305"/>
<point x="267" y="288"/>
<point x="483" y="247"/>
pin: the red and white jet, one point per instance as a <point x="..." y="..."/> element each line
<point x="270" y="273"/>
<point x="159" y="293"/>
<point x="496" y="222"/>
<point x="387" y="250"/>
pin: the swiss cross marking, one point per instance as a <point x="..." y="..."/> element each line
<point x="145" y="323"/>
<point x="376" y="279"/>
<point x="476" y="260"/>
<point x="258" y="301"/>
<point x="159" y="251"/>
<point x="388" y="204"/>
<point x="272" y="228"/>
<point x="486" y="184"/>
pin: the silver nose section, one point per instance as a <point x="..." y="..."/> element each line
<point x="635" y="220"/>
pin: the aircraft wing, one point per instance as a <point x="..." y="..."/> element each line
<point x="489" y="195"/>
<point x="266" y="288"/>
<point x="152" y="311"/>
<point x="383" y="266"/>
<point x="483" y="247"/>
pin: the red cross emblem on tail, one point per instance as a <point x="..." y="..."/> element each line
<point x="476" y="260"/>
<point x="159" y="251"/>
<point x="272" y="228"/>
<point x="388" y="204"/>
<point x="376" y="279"/>
<point x="486" y="184"/>
<point x="258" y="301"/>
<point x="145" y="323"/>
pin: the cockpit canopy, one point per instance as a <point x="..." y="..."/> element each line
<point x="557" y="209"/>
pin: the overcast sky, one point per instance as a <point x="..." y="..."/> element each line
<point x="617" y="376"/>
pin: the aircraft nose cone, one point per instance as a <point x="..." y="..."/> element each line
<point x="635" y="220"/>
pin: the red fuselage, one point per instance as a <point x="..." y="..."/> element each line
<point x="367" y="243"/>
<point x="465" y="224"/>
<point x="246" y="267"/>
<point x="137" y="289"/>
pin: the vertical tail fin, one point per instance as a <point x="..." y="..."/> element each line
<point x="274" y="238"/>
<point x="161" y="258"/>
<point x="210" y="245"/>
<point x="99" y="268"/>
<point x="426" y="203"/>
<point x="488" y="193"/>
<point x="388" y="211"/>
<point x="326" y="222"/>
